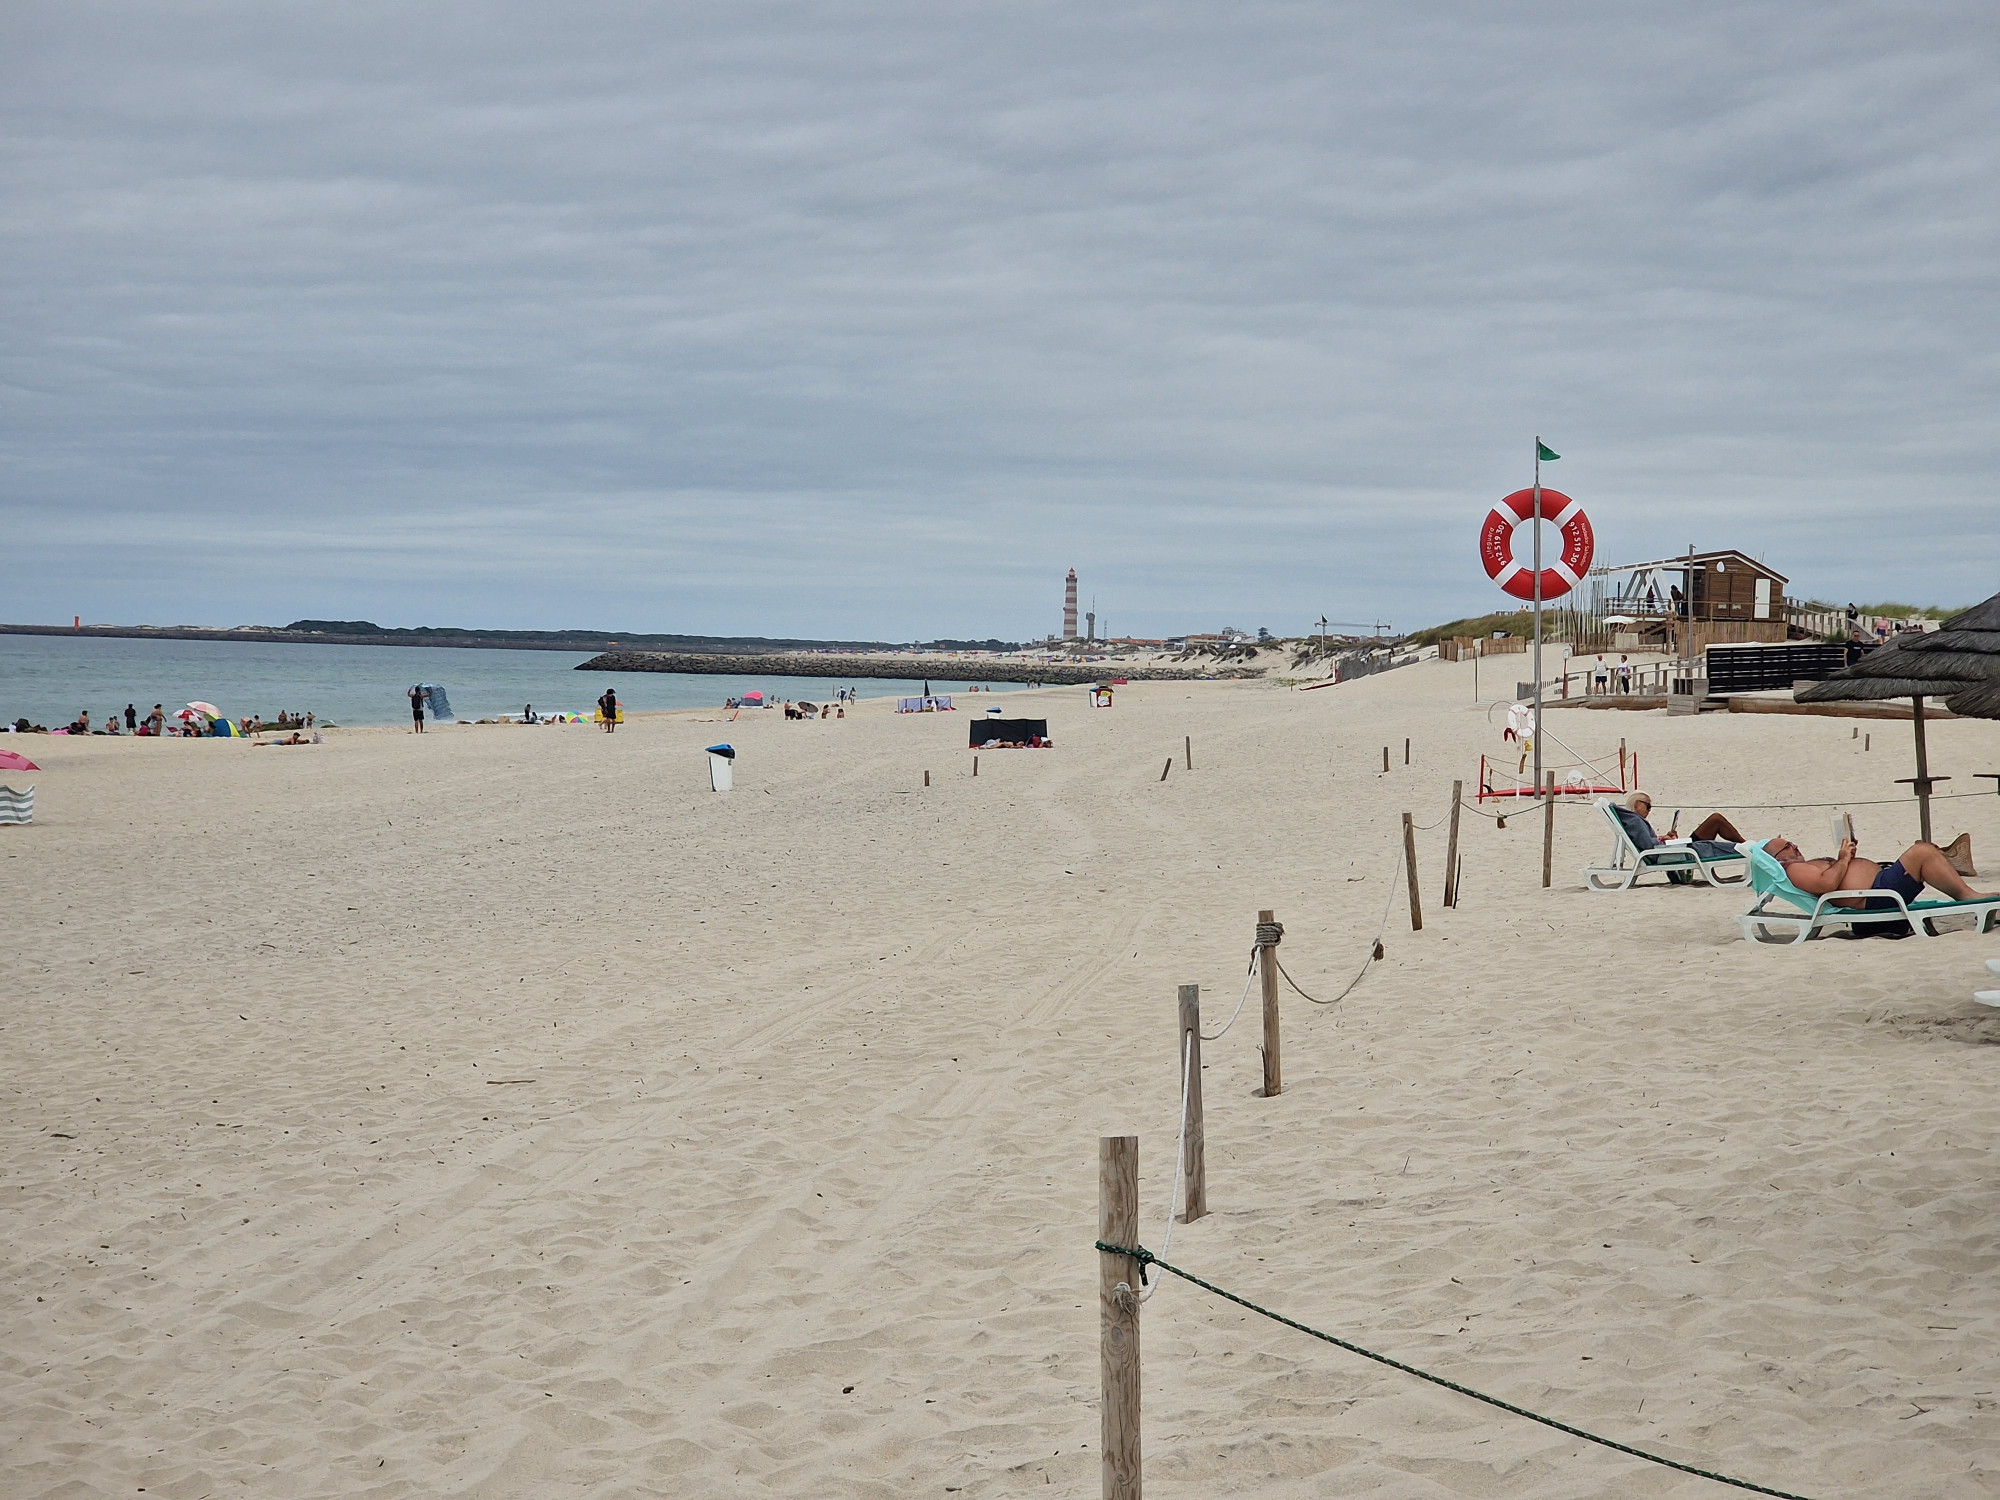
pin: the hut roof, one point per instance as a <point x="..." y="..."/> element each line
<point x="1959" y="663"/>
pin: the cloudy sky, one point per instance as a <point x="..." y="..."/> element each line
<point x="870" y="320"/>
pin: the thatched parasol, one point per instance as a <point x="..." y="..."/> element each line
<point x="1959" y="663"/>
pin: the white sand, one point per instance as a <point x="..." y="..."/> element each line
<point x="817" y="1075"/>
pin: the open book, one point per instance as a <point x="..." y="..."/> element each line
<point x="1843" y="828"/>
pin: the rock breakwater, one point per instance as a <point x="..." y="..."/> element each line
<point x="943" y="668"/>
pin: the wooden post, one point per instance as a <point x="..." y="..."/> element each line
<point x="1410" y="866"/>
<point x="1118" y="1315"/>
<point x="1621" y="763"/>
<point x="927" y="778"/>
<point x="975" y="765"/>
<point x="1451" y="848"/>
<point x="1385" y="760"/>
<point x="1548" y="837"/>
<point x="1923" y="786"/>
<point x="1166" y="768"/>
<point x="1194" y="1193"/>
<point x="1868" y="741"/>
<point x="1406" y="750"/>
<point x="1267" y="979"/>
<point x="1187" y="742"/>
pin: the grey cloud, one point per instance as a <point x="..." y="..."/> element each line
<point x="872" y="319"/>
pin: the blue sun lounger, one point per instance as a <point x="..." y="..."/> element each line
<point x="1783" y="909"/>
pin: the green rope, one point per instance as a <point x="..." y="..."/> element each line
<point x="1146" y="1258"/>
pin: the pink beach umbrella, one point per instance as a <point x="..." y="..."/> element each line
<point x="205" y="708"/>
<point x="11" y="760"/>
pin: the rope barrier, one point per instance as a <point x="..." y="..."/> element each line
<point x="1146" y="1258"/>
<point x="1180" y="1164"/>
<point x="1790" y="806"/>
<point x="1374" y="951"/>
<point x="1285" y="975"/>
<point x="1239" y="1006"/>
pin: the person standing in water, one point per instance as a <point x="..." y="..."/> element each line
<point x="131" y="719"/>
<point x="417" y="710"/>
<point x="608" y="707"/>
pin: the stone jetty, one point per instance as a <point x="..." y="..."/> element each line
<point x="943" y="668"/>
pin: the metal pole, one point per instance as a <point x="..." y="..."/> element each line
<point x="1538" y="610"/>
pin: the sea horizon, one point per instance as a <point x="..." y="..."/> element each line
<point x="48" y="679"/>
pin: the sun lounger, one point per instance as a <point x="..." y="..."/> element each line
<point x="17" y="807"/>
<point x="1989" y="997"/>
<point x="1629" y="861"/>
<point x="1783" y="909"/>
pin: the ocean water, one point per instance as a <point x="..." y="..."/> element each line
<point x="46" y="679"/>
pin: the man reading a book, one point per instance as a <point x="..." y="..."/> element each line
<point x="1715" y="838"/>
<point x="1918" y="866"/>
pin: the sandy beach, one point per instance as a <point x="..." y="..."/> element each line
<point x="501" y="1113"/>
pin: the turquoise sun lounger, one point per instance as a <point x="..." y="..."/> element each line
<point x="1782" y="913"/>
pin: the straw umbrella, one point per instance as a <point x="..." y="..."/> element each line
<point x="1959" y="663"/>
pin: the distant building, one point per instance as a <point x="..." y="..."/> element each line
<point x="1707" y="597"/>
<point x="1069" y="607"/>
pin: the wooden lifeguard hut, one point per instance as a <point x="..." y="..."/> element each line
<point x="1699" y="599"/>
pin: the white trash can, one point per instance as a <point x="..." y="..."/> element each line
<point x="721" y="767"/>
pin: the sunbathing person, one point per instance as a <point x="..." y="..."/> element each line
<point x="1918" y="866"/>
<point x="1715" y="837"/>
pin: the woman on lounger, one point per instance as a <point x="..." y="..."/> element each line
<point x="1919" y="865"/>
<point x="1715" y="837"/>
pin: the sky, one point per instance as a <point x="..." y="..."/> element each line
<point x="871" y="320"/>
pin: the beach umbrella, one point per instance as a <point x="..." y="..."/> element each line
<point x="205" y="708"/>
<point x="12" y="760"/>
<point x="1958" y="663"/>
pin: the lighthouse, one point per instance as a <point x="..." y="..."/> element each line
<point x="1069" y="607"/>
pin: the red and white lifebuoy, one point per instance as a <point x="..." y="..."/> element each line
<point x="1496" y="544"/>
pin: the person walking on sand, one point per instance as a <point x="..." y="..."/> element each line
<point x="608" y="707"/>
<point x="417" y="710"/>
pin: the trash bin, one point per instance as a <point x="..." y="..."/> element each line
<point x="721" y="767"/>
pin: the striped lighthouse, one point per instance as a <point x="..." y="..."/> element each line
<point x="1069" y="607"/>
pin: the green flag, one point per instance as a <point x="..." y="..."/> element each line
<point x="1544" y="452"/>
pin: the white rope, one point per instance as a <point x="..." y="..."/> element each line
<point x="1239" y="1005"/>
<point x="1180" y="1166"/>
<point x="1598" y="770"/>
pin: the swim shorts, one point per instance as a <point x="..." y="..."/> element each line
<point x="1894" y="878"/>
